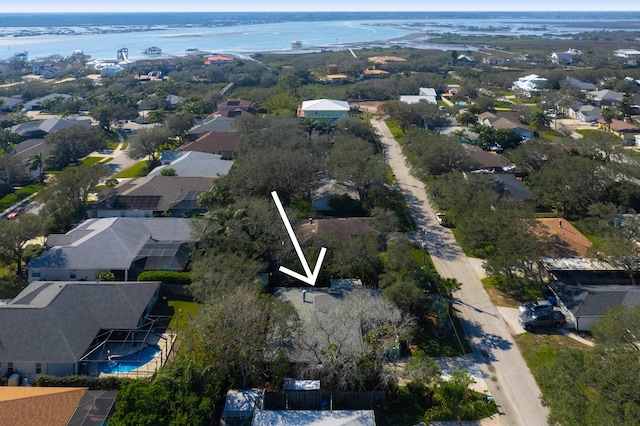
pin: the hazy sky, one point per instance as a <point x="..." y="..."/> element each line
<point x="325" y="5"/>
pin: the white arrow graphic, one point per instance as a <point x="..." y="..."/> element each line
<point x="310" y="278"/>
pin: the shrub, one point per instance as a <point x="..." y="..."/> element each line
<point x="167" y="277"/>
<point x="93" y="383"/>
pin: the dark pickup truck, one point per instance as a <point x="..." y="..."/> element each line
<point x="543" y="319"/>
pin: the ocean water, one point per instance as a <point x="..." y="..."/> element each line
<point x="101" y="35"/>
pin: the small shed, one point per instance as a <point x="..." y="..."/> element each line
<point x="239" y="406"/>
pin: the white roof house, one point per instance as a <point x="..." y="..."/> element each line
<point x="194" y="164"/>
<point x="530" y="84"/>
<point x="427" y="94"/>
<point x="627" y="53"/>
<point x="323" y="109"/>
<point x="314" y="418"/>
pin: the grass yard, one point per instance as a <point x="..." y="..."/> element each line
<point x="22" y="193"/>
<point x="540" y="350"/>
<point x="139" y="169"/>
<point x="181" y="318"/>
<point x="396" y="131"/>
<point x="91" y="160"/>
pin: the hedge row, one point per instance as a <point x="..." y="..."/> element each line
<point x="167" y="277"/>
<point x="93" y="383"/>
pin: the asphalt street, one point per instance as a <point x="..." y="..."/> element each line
<point x="507" y="375"/>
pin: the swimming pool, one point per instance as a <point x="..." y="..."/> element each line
<point x="130" y="362"/>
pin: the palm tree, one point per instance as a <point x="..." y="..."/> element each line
<point x="309" y="125"/>
<point x="607" y="115"/>
<point x="37" y="162"/>
<point x="539" y="121"/>
<point x="460" y="134"/>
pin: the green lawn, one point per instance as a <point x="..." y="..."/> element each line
<point x="22" y="193"/>
<point x="181" y="318"/>
<point x="137" y="170"/>
<point x="540" y="350"/>
<point x="91" y="160"/>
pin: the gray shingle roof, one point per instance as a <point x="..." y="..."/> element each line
<point x="56" y="322"/>
<point x="193" y="163"/>
<point x="110" y="243"/>
<point x="595" y="300"/>
<point x="158" y="193"/>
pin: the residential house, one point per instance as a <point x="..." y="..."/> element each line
<point x="562" y="58"/>
<point x="605" y="97"/>
<point x="50" y="70"/>
<point x="9" y="104"/>
<point x="588" y="113"/>
<point x="46" y="406"/>
<point x="487" y="160"/>
<point x="425" y="94"/>
<point x="466" y="61"/>
<point x="35" y="104"/>
<point x="530" y="85"/>
<point x="584" y="305"/>
<point x="385" y="59"/>
<point x="492" y="60"/>
<point x="126" y="246"/>
<point x="235" y="105"/>
<point x="314" y="417"/>
<point x="251" y="407"/>
<point x="193" y="164"/>
<point x="337" y="78"/>
<point x="41" y="128"/>
<point x="509" y="184"/>
<point x="324" y="110"/>
<point x="25" y="149"/>
<point x="584" y="271"/>
<point x="584" y="86"/>
<point x="627" y="53"/>
<point x="110" y="70"/>
<point x="315" y="307"/>
<point x="223" y="143"/>
<point x="620" y="128"/>
<point x="368" y="73"/>
<point x="152" y="196"/>
<point x="218" y="60"/>
<point x="328" y="191"/>
<point x="54" y="327"/>
<point x="505" y="121"/>
<point x="216" y="123"/>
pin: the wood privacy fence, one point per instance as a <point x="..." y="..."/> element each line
<point x="323" y="400"/>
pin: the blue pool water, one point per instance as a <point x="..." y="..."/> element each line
<point x="130" y="362"/>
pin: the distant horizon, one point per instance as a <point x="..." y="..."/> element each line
<point x="195" y="6"/>
<point x="311" y="11"/>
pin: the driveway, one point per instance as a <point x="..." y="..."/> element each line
<point x="508" y="377"/>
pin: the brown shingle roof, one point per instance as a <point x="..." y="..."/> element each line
<point x="213" y="142"/>
<point x="35" y="406"/>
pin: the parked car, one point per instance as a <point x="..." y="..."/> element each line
<point x="544" y="319"/>
<point x="535" y="306"/>
<point x="444" y="220"/>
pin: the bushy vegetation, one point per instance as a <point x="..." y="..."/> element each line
<point x="167" y="277"/>
<point x="93" y="383"/>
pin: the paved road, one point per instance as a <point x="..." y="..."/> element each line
<point x="507" y="375"/>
